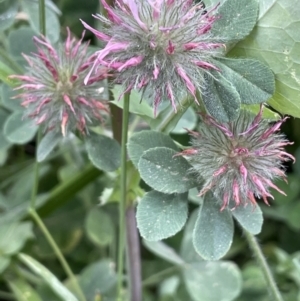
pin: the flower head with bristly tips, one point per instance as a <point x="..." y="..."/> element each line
<point x="240" y="160"/>
<point x="163" y="47"/>
<point x="53" y="91"/>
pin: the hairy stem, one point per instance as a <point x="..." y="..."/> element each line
<point x="274" y="291"/>
<point x="58" y="253"/>
<point x="133" y="255"/>
<point x="122" y="205"/>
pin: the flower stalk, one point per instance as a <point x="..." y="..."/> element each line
<point x="122" y="205"/>
<point x="261" y="260"/>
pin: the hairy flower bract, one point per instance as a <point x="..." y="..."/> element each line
<point x="238" y="161"/>
<point x="162" y="47"/>
<point x="53" y="89"/>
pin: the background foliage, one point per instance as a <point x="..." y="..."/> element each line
<point x="78" y="189"/>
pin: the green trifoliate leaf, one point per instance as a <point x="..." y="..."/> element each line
<point x="18" y="130"/>
<point x="236" y="20"/>
<point x="254" y="81"/>
<point x="249" y="217"/>
<point x="160" y="216"/>
<point x="276" y="41"/>
<point x="213" y="232"/>
<point x="144" y="140"/>
<point x="104" y="152"/>
<point x="47" y="144"/>
<point x="165" y="172"/>
<point x="221" y="99"/>
<point x="213" y="281"/>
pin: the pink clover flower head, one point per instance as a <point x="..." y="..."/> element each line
<point x="240" y="160"/>
<point x="162" y="47"/>
<point x="53" y="89"/>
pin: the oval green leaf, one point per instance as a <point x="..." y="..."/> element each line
<point x="213" y="232"/>
<point x="8" y="102"/>
<point x="160" y="216"/>
<point x="236" y="20"/>
<point x="47" y="144"/>
<point x="243" y="74"/>
<point x="221" y="99"/>
<point x="8" y="11"/>
<point x="13" y="236"/>
<point x="213" y="281"/>
<point x="19" y="130"/>
<point x="104" y="152"/>
<point x="144" y="140"/>
<point x="249" y="217"/>
<point x="99" y="277"/>
<point x="165" y="173"/>
<point x="21" y="41"/>
<point x="99" y="227"/>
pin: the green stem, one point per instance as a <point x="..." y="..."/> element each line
<point x="163" y="126"/>
<point x="42" y="17"/>
<point x="58" y="253"/>
<point x="252" y="241"/>
<point x="35" y="186"/>
<point x="122" y="205"/>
